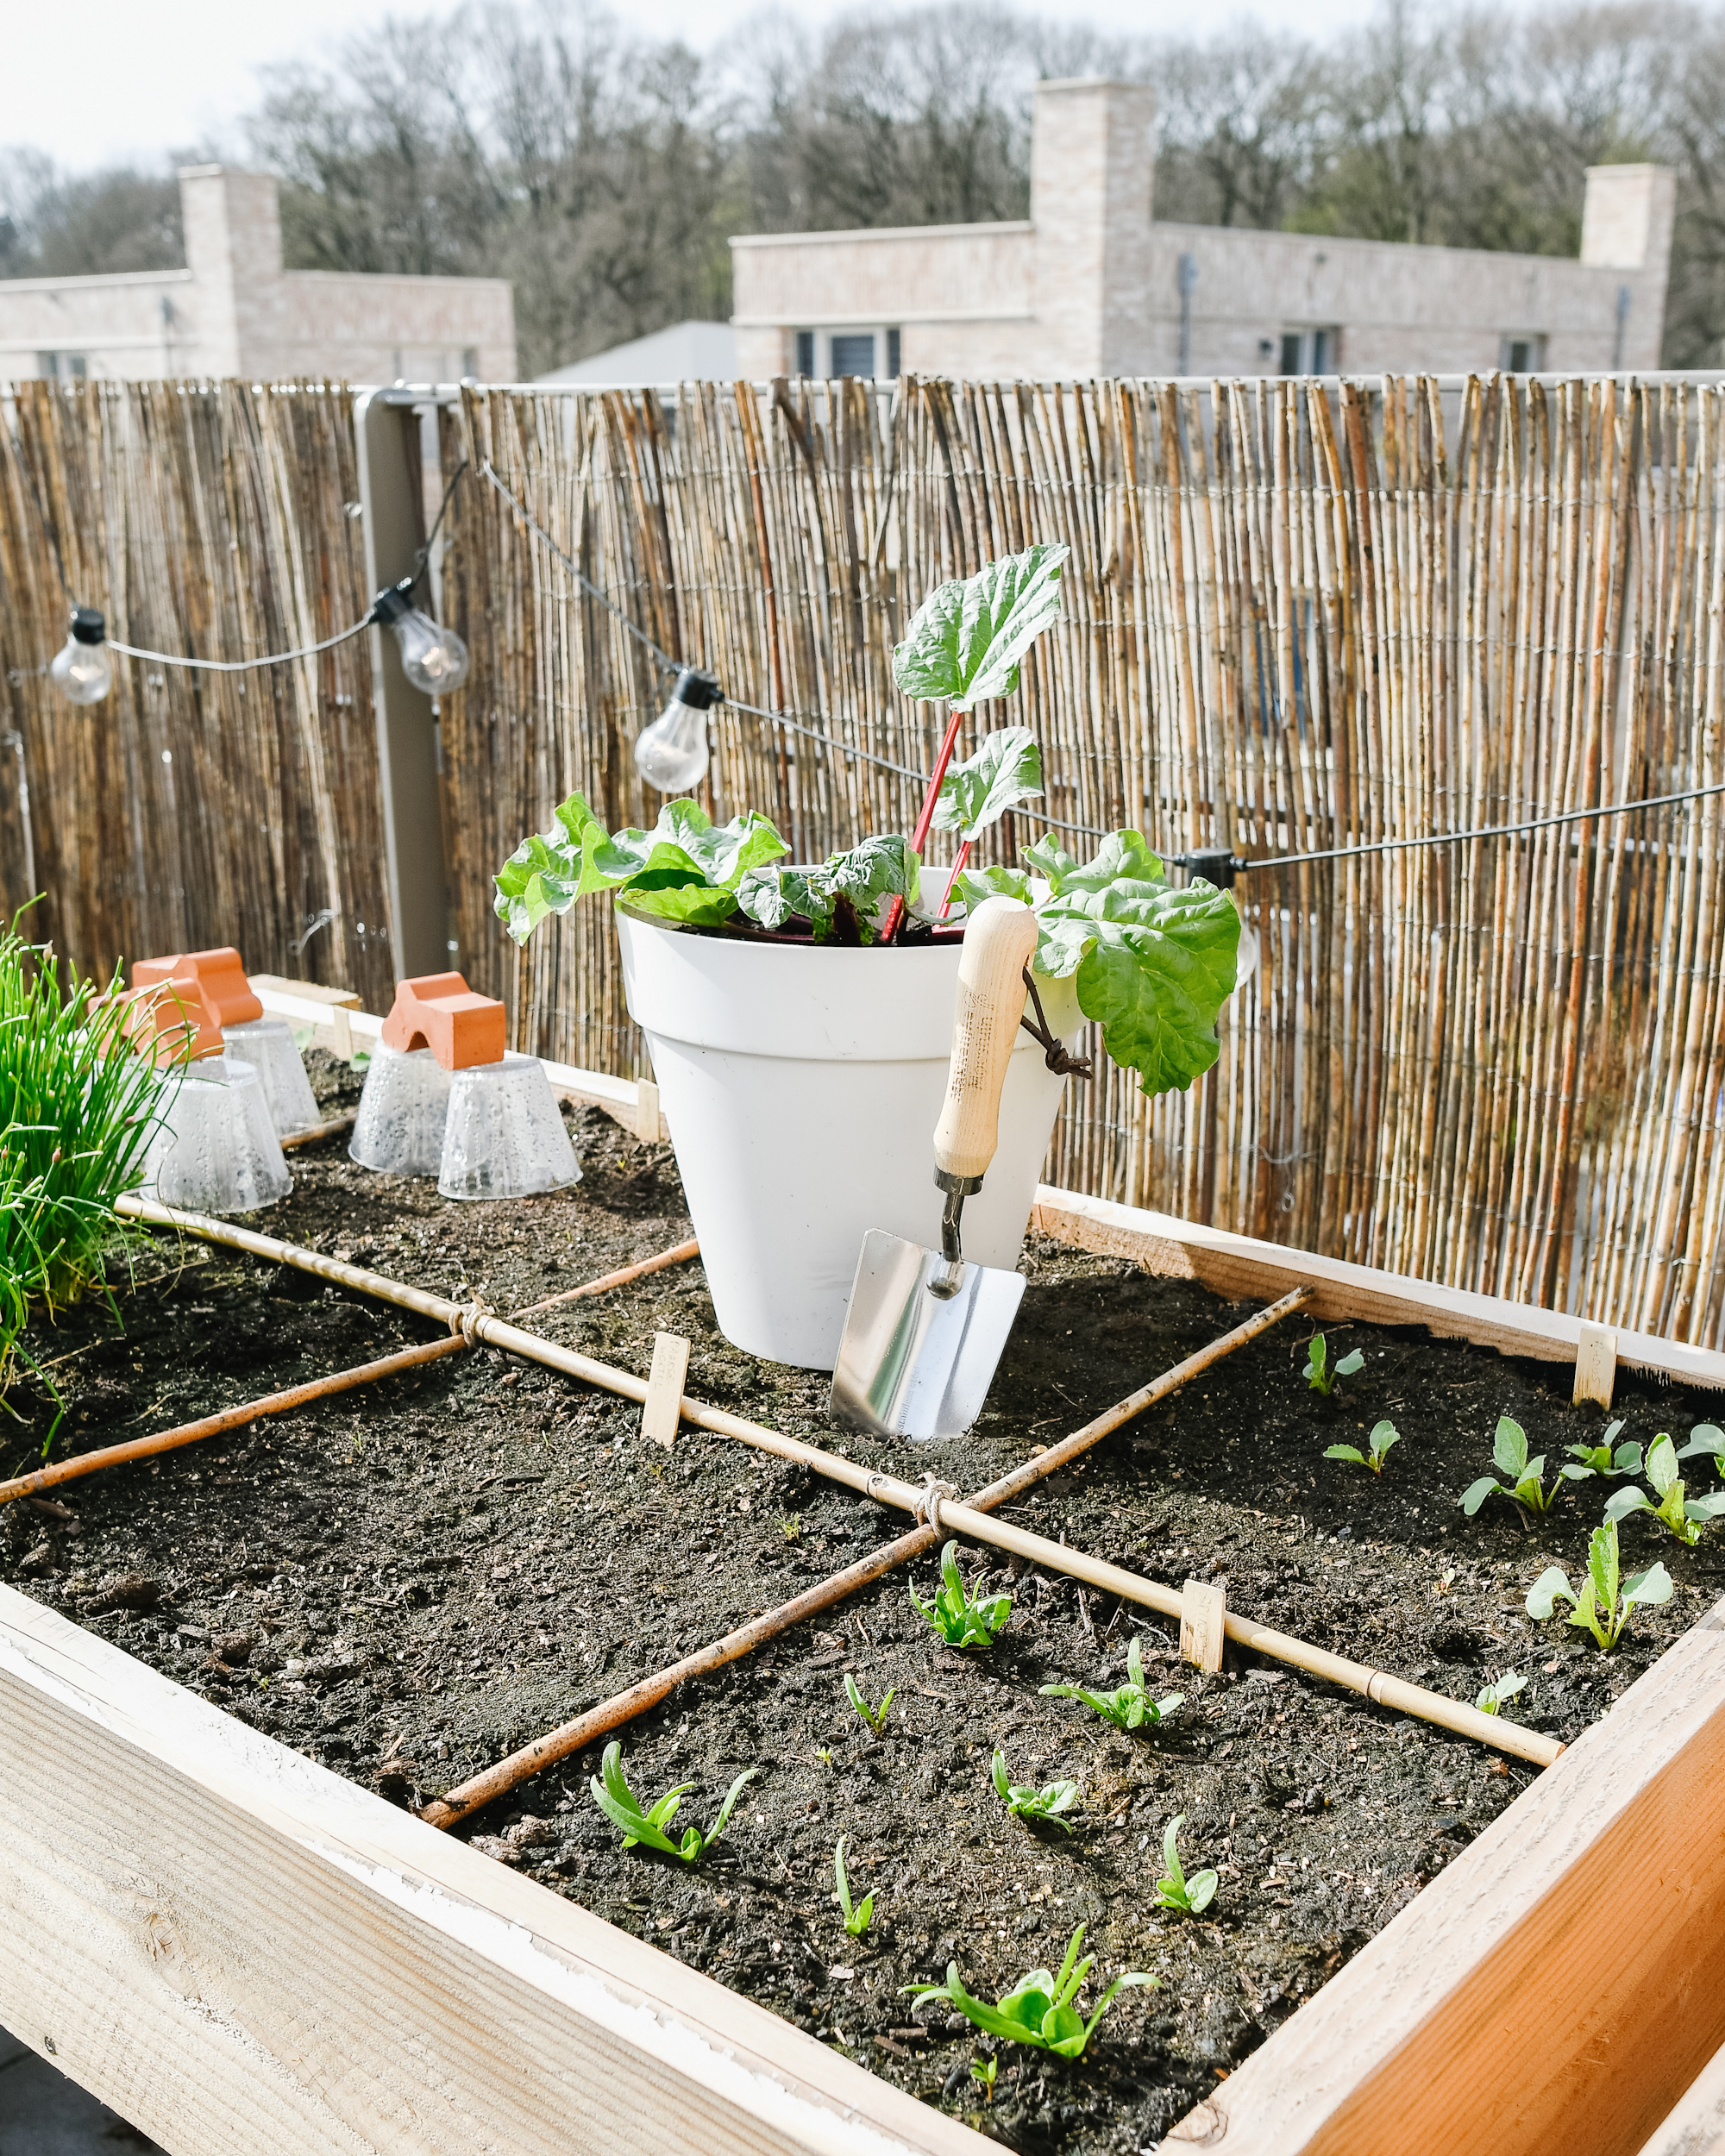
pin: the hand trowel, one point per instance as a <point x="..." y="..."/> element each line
<point x="926" y="1328"/>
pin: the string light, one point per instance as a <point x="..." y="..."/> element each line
<point x="83" y="672"/>
<point x="433" y="658"/>
<point x="672" y="753"/>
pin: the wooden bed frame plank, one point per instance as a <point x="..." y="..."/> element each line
<point x="240" y="1952"/>
<point x="1238" y="1265"/>
<point x="1697" y="2125"/>
<point x="1554" y="1988"/>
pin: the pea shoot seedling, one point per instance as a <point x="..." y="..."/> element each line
<point x="1176" y="1892"/>
<point x="857" y="1918"/>
<point x="960" y="1622"/>
<point x="1130" y="1706"/>
<point x="1685" y="1519"/>
<point x="1526" y="1485"/>
<point x="1601" y="1460"/>
<point x="1038" y="2009"/>
<point x="622" y="1807"/>
<point x="875" y="1716"/>
<point x="1599" y="1607"/>
<point x="1039" y="1807"/>
<point x="1383" y="1435"/>
<point x="1319" y="1374"/>
<point x="1500" y="1691"/>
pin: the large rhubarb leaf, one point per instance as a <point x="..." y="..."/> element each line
<point x="967" y="639"/>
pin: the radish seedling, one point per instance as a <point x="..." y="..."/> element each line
<point x="1038" y="2009"/>
<point x="1500" y="1691"/>
<point x="875" y="1716"/>
<point x="1685" y="1519"/>
<point x="1175" y="1890"/>
<point x="960" y="1622"/>
<point x="621" y="1806"/>
<point x="1706" y="1441"/>
<point x="1599" y="1607"/>
<point x="1600" y="1459"/>
<point x="1525" y="1484"/>
<point x="1319" y="1374"/>
<point x="1383" y="1435"/>
<point x="1130" y="1705"/>
<point x="1024" y="1801"/>
<point x="856" y="1919"/>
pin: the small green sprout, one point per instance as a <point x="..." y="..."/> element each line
<point x="857" y="1918"/>
<point x="1129" y="1707"/>
<point x="1383" y="1435"/>
<point x="1176" y="1892"/>
<point x="1685" y="1519"/>
<point x="1319" y="1374"/>
<point x="1601" y="1460"/>
<point x="793" y="1528"/>
<point x="1500" y="1691"/>
<point x="1599" y="1607"/>
<point x="1038" y="2009"/>
<point x="983" y="2070"/>
<point x="1525" y="1484"/>
<point x="875" y="1716"/>
<point x="622" y="1807"/>
<point x="1038" y="1806"/>
<point x="1706" y="1441"/>
<point x="960" y="1622"/>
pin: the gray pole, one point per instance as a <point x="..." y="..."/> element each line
<point x="1186" y="277"/>
<point x="1622" y="323"/>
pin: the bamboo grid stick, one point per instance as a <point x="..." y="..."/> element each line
<point x="1298" y="616"/>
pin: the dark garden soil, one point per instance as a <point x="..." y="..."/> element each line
<point x="409" y="1581"/>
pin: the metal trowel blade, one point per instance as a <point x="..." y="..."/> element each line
<point x="912" y="1364"/>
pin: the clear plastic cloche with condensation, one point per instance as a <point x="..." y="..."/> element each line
<point x="399" y="1127"/>
<point x="505" y="1135"/>
<point x="215" y="1149"/>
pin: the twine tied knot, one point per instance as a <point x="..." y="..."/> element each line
<point x="933" y="1493"/>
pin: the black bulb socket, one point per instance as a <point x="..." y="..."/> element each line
<point x="1216" y="864"/>
<point x="391" y="604"/>
<point x="88" y="626"/>
<point x="700" y="691"/>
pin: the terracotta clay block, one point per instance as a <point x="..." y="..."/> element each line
<point x="167" y="1013"/>
<point x="438" y="1010"/>
<point x="218" y="977"/>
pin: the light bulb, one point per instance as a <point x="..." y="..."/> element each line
<point x="83" y="672"/>
<point x="671" y="753"/>
<point x="432" y="657"/>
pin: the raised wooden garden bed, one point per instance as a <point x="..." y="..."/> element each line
<point x="239" y="1947"/>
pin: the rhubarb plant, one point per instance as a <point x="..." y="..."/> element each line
<point x="1525" y="1484"/>
<point x="1039" y="1807"/>
<point x="1602" y="1604"/>
<point x="620" y="1805"/>
<point x="962" y="1620"/>
<point x="1683" y="1517"/>
<point x="1038" y="2010"/>
<point x="682" y="870"/>
<point x="1129" y="1705"/>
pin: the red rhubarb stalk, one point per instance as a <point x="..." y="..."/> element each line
<point x="920" y="836"/>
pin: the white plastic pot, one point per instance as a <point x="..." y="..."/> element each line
<point x="802" y="1087"/>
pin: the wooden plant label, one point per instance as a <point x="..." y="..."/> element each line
<point x="1596" y="1364"/>
<point x="1203" y="1616"/>
<point x="664" y="1402"/>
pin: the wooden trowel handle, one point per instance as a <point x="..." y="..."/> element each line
<point x="998" y="938"/>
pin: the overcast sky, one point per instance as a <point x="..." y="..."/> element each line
<point x="121" y="81"/>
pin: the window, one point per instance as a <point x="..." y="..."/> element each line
<point x="853" y="353"/>
<point x="470" y="362"/>
<point x="892" y="355"/>
<point x="1522" y="353"/>
<point x="1310" y="351"/>
<point x="62" y="367"/>
<point x="806" y="351"/>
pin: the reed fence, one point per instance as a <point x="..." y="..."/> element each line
<point x="1298" y="617"/>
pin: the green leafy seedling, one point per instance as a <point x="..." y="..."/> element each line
<point x="1525" y="1484"/>
<point x="1601" y="1606"/>
<point x="875" y="1716"/>
<point x="1707" y="1442"/>
<point x="1038" y="2009"/>
<point x="983" y="2070"/>
<point x="1500" y="1691"/>
<point x="1383" y="1435"/>
<point x="961" y="1621"/>
<point x="1602" y="1459"/>
<point x="1319" y="1373"/>
<point x="1175" y="1890"/>
<point x="793" y="1528"/>
<point x="1130" y="1706"/>
<point x="622" y="1807"/>
<point x="856" y="1918"/>
<point x="1684" y="1518"/>
<point x="1038" y="1806"/>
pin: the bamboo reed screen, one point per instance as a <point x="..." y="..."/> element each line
<point x="192" y="808"/>
<point x="1295" y="620"/>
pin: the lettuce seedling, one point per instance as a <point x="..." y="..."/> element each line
<point x="1175" y="1890"/>
<point x="1600" y="1459"/>
<point x="1130" y="1706"/>
<point x="1601" y="1608"/>
<point x="960" y="1622"/>
<point x="1383" y="1435"/>
<point x="622" y="1807"/>
<point x="1502" y="1689"/>
<point x="857" y="1918"/>
<point x="1317" y="1373"/>
<point x="1525" y="1484"/>
<point x="1706" y="1441"/>
<point x="1039" y="1807"/>
<point x="1684" y="1518"/>
<point x="1038" y="2009"/>
<point x="875" y="1716"/>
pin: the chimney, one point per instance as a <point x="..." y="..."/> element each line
<point x="233" y="248"/>
<point x="1093" y="171"/>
